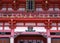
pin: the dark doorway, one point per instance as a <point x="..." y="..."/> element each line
<point x="30" y="39"/>
<point x="20" y="41"/>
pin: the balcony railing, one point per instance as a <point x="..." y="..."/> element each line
<point x="35" y="14"/>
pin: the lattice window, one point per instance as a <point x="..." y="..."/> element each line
<point x="30" y="5"/>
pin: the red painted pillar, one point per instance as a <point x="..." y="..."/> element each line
<point x="12" y="32"/>
<point x="48" y="32"/>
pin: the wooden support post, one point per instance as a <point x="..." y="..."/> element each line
<point x="12" y="36"/>
<point x="57" y="26"/>
<point x="12" y="32"/>
<point x="48" y="36"/>
<point x="3" y="26"/>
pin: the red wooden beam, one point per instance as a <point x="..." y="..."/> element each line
<point x="5" y="31"/>
<point x="35" y="33"/>
<point x="54" y="30"/>
<point x="56" y="36"/>
<point x="5" y="35"/>
<point x="30" y="19"/>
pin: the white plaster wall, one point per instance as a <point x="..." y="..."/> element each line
<point x="58" y="28"/>
<point x="39" y="29"/>
<point x="54" y="28"/>
<point x="10" y="9"/>
<point x="28" y="24"/>
<point x="20" y="24"/>
<point x="39" y="9"/>
<point x="53" y="24"/>
<point x="40" y="24"/>
<point x="6" y="23"/>
<point x="3" y="9"/>
<point x="7" y="28"/>
<point x="57" y="9"/>
<point x="1" y="28"/>
<point x="50" y="9"/>
<point x="20" y="29"/>
<point x="21" y="9"/>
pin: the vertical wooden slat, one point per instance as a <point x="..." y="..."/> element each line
<point x="4" y="40"/>
<point x="55" y="40"/>
<point x="0" y="41"/>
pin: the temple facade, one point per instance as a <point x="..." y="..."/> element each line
<point x="29" y="21"/>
